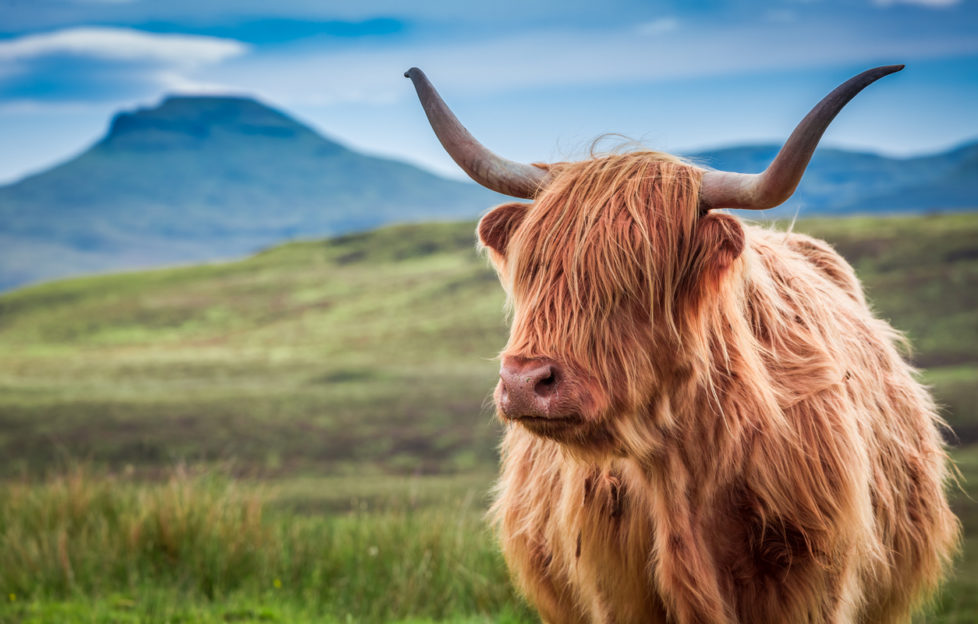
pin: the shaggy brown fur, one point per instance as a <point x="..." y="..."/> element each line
<point x="754" y="447"/>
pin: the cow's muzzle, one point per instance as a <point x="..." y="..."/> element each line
<point x="534" y="391"/>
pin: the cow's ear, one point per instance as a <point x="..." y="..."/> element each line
<point x="499" y="224"/>
<point x="719" y="241"/>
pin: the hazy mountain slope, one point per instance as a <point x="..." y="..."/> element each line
<point x="954" y="186"/>
<point x="203" y="177"/>
<point x="846" y="182"/>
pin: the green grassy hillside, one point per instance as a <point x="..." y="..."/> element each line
<point x="371" y="351"/>
<point x="368" y="350"/>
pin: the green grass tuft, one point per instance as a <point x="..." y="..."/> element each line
<point x="199" y="542"/>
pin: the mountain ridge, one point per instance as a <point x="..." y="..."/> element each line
<point x="197" y="178"/>
<point x="840" y="181"/>
<point x="213" y="177"/>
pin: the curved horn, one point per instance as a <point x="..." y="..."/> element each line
<point x="489" y="170"/>
<point x="773" y="186"/>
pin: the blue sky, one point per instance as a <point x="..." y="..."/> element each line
<point x="533" y="80"/>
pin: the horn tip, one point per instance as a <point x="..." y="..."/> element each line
<point x="891" y="69"/>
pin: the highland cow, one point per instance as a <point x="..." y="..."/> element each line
<point x="704" y="421"/>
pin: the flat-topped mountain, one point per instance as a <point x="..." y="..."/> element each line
<point x="199" y="178"/>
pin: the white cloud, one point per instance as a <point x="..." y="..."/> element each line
<point x="659" y="26"/>
<point x="122" y="44"/>
<point x="930" y="4"/>
<point x="175" y="82"/>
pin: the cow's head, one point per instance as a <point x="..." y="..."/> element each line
<point x="607" y="263"/>
<point x="599" y="269"/>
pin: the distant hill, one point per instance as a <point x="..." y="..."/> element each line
<point x="200" y="178"/>
<point x="845" y="182"/>
<point x="367" y="351"/>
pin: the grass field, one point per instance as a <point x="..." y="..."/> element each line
<point x="86" y="546"/>
<point x="334" y="393"/>
<point x="202" y="547"/>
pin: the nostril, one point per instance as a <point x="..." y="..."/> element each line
<point x="547" y="384"/>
